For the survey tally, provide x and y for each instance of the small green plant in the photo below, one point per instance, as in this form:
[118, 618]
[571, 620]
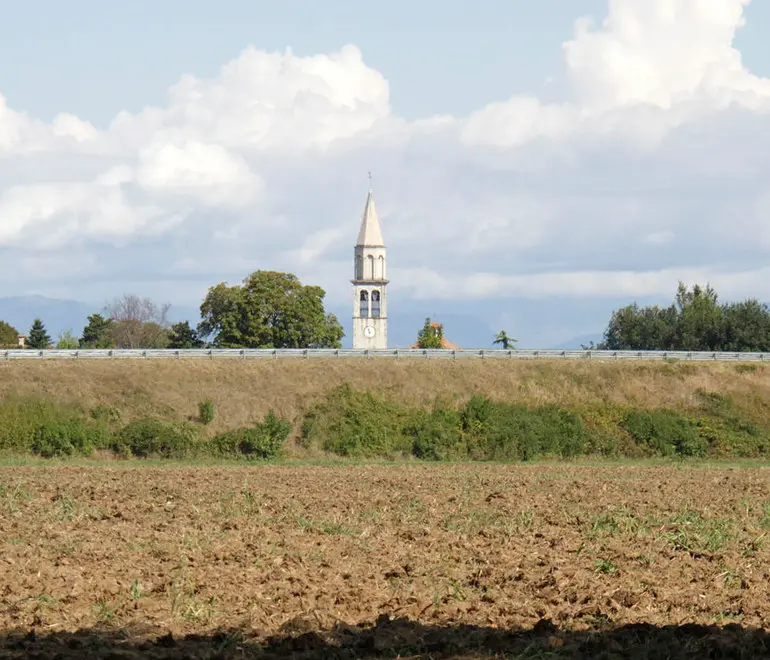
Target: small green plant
[136, 589]
[605, 566]
[264, 440]
[206, 411]
[148, 437]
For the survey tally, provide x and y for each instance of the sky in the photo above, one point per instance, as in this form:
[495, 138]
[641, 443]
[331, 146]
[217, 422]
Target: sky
[576, 154]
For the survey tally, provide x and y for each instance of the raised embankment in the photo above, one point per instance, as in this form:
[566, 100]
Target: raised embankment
[631, 408]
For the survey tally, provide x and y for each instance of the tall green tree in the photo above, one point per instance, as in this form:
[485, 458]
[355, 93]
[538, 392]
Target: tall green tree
[699, 321]
[504, 340]
[745, 326]
[38, 337]
[184, 336]
[641, 329]
[430, 335]
[98, 333]
[9, 336]
[269, 310]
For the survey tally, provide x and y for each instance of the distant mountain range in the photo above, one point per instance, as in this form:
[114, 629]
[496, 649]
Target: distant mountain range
[538, 324]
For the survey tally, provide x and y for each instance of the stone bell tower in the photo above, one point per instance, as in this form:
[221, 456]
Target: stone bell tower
[370, 302]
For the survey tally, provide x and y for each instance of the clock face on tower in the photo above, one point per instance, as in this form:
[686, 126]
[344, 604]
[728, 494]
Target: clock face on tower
[369, 331]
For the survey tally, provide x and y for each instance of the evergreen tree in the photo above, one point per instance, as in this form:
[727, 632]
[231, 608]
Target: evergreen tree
[184, 336]
[38, 337]
[430, 335]
[98, 333]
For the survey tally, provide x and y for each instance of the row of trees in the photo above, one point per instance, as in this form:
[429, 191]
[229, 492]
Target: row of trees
[268, 310]
[275, 310]
[695, 321]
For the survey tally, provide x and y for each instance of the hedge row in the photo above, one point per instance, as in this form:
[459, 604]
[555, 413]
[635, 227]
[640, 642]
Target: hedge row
[360, 425]
[357, 424]
[40, 427]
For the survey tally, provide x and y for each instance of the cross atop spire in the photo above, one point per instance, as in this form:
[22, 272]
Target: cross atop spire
[370, 233]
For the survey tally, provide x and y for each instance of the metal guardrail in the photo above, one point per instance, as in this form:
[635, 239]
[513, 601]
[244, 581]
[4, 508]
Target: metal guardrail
[263, 353]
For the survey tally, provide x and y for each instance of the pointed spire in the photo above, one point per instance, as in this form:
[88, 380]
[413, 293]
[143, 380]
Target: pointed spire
[370, 233]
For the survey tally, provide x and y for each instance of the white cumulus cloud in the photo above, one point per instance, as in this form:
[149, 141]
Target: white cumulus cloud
[654, 168]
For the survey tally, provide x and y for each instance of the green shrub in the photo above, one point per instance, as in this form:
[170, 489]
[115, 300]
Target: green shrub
[105, 413]
[504, 431]
[47, 429]
[206, 411]
[148, 437]
[263, 440]
[67, 437]
[436, 436]
[358, 424]
[665, 433]
[351, 423]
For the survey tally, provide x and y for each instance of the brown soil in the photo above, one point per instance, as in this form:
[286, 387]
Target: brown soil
[446, 561]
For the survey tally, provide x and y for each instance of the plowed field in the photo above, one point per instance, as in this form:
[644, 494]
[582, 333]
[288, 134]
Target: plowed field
[446, 561]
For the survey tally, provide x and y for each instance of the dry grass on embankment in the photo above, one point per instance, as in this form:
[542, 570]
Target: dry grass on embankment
[243, 390]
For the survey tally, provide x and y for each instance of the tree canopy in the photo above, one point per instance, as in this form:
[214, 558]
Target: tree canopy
[269, 310]
[9, 336]
[695, 321]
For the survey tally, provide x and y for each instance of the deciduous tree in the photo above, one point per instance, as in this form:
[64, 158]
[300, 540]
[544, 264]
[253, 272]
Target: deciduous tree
[67, 340]
[694, 322]
[138, 322]
[269, 310]
[9, 336]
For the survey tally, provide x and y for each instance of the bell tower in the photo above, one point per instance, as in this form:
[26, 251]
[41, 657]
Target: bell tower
[370, 301]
